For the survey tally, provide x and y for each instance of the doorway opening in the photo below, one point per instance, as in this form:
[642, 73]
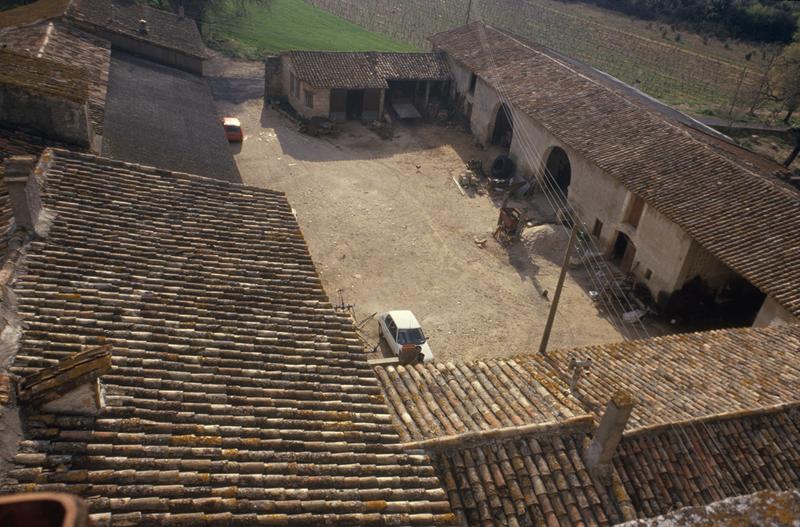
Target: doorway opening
[503, 127]
[624, 252]
[355, 104]
[559, 170]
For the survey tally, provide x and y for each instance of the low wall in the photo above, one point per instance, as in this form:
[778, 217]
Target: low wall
[142, 48]
[58, 119]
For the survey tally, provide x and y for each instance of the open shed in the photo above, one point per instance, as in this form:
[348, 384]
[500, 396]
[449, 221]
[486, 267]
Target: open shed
[359, 85]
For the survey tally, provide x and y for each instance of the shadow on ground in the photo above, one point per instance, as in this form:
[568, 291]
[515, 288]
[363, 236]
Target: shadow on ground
[354, 140]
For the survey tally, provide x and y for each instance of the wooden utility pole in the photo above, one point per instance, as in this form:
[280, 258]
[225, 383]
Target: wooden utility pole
[554, 306]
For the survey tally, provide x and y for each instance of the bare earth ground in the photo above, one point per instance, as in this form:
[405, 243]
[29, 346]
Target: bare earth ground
[386, 224]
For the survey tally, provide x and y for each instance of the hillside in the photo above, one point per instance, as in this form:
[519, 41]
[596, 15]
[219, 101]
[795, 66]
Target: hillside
[700, 75]
[252, 30]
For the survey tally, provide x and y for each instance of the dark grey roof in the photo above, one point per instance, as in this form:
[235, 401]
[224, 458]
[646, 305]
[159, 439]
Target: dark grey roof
[165, 117]
[165, 29]
[369, 69]
[237, 394]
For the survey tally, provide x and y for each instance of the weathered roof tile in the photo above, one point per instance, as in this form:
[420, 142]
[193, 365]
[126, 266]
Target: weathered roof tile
[367, 69]
[732, 207]
[222, 402]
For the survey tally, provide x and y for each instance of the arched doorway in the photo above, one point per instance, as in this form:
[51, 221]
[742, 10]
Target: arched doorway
[558, 169]
[503, 127]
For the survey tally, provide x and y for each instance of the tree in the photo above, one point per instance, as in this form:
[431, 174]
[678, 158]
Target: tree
[784, 79]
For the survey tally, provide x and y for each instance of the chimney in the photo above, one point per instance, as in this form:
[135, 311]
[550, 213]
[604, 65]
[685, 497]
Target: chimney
[608, 435]
[181, 12]
[23, 191]
[143, 26]
[577, 367]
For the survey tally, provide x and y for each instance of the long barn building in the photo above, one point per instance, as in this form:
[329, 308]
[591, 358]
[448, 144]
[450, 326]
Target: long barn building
[671, 201]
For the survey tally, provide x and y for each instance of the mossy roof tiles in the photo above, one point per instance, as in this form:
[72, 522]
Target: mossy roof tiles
[366, 69]
[43, 77]
[236, 394]
[61, 43]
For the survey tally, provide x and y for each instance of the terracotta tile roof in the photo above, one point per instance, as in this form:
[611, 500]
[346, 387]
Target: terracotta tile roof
[43, 77]
[530, 479]
[328, 69]
[675, 378]
[59, 42]
[33, 12]
[236, 395]
[767, 168]
[776, 509]
[70, 372]
[726, 396]
[439, 399]
[14, 142]
[748, 221]
[688, 376]
[165, 29]
[703, 461]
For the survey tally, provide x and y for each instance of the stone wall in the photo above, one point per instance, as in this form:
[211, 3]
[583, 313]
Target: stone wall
[59, 119]
[147, 50]
[772, 313]
[273, 77]
[322, 96]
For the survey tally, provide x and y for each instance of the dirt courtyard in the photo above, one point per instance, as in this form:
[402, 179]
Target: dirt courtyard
[387, 225]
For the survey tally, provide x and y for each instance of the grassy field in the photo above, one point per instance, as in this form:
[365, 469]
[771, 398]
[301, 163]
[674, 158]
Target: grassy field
[702, 76]
[255, 31]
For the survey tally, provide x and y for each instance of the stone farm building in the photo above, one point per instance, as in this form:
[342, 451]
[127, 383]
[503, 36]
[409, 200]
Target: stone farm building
[358, 85]
[154, 34]
[670, 202]
[123, 80]
[178, 363]
[170, 355]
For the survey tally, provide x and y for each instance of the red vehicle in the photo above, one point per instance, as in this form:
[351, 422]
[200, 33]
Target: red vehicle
[233, 129]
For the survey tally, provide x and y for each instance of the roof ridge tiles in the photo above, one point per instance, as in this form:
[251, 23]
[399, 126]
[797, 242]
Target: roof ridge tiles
[471, 439]
[150, 169]
[644, 431]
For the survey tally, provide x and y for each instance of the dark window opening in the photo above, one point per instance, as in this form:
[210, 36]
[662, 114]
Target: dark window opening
[635, 210]
[309, 99]
[598, 228]
[648, 274]
[391, 326]
[473, 81]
